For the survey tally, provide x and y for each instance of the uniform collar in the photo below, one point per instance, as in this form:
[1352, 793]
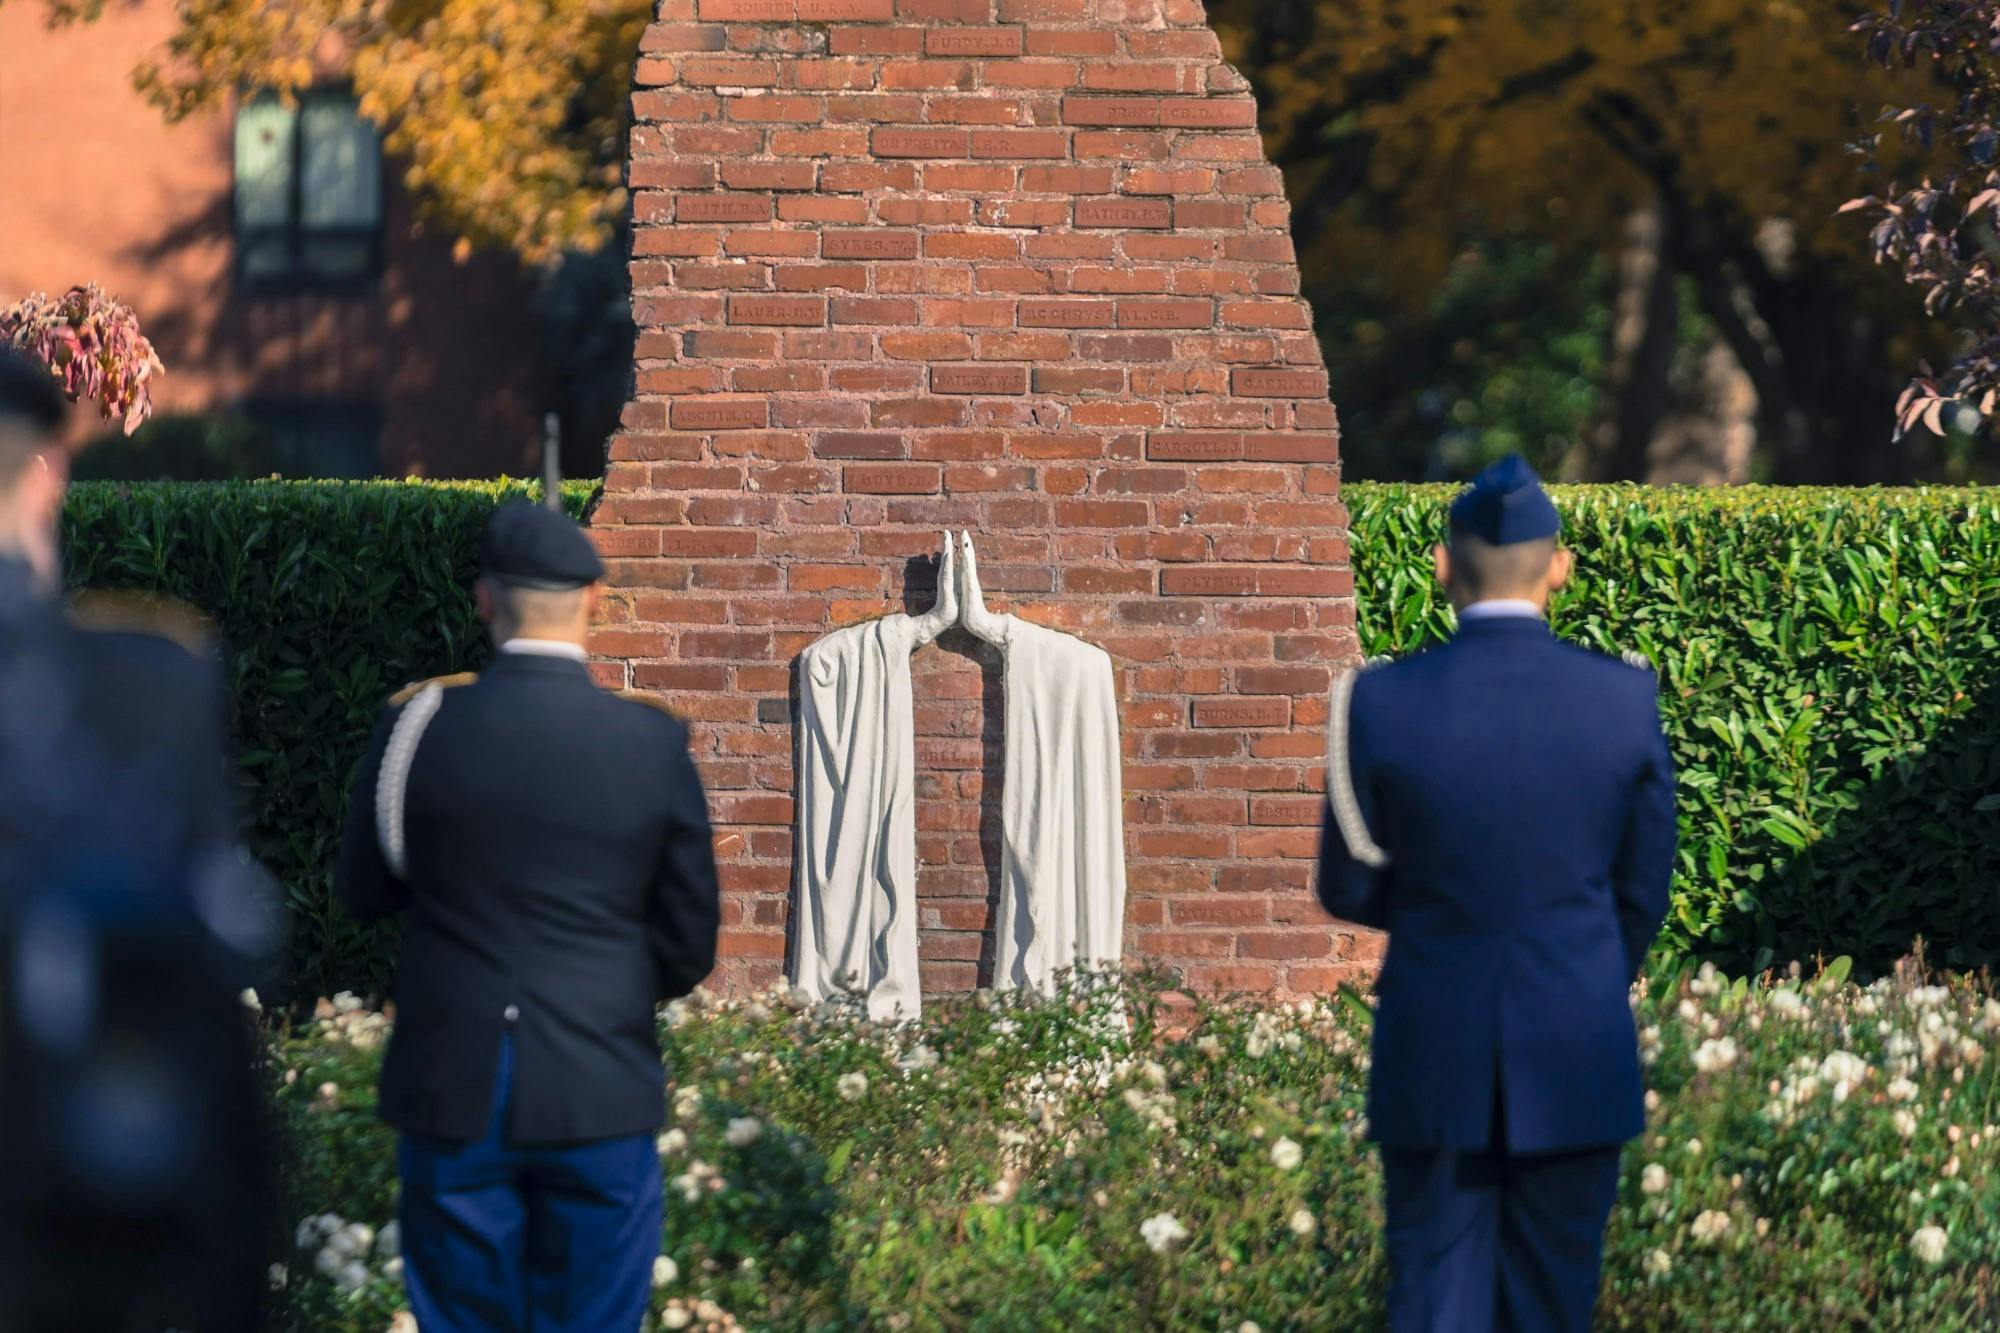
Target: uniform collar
[544, 648]
[1501, 608]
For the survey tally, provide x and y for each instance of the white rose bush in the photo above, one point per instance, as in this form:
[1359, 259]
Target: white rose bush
[1114, 1159]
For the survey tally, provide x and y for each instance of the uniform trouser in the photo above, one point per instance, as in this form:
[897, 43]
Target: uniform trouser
[501, 1239]
[1488, 1240]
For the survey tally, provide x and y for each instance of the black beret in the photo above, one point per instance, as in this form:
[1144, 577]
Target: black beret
[28, 393]
[533, 547]
[1506, 504]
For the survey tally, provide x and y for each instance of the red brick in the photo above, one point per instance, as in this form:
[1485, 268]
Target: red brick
[1020, 267]
[973, 42]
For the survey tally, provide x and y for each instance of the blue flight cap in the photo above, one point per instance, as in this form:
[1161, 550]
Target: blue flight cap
[532, 547]
[1506, 504]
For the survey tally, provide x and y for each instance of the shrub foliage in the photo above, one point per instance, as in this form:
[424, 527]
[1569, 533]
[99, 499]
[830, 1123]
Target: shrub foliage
[1818, 1154]
[1829, 688]
[327, 598]
[1826, 657]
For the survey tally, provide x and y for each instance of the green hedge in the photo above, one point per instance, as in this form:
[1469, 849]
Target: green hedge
[1830, 690]
[1827, 659]
[328, 597]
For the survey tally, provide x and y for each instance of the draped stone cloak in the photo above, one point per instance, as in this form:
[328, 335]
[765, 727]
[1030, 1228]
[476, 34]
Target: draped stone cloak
[855, 912]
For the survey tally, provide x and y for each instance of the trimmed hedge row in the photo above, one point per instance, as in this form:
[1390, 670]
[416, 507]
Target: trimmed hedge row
[328, 597]
[1827, 660]
[1830, 690]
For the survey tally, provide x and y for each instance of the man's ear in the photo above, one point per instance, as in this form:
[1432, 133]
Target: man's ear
[49, 475]
[482, 598]
[593, 598]
[1441, 563]
[1560, 567]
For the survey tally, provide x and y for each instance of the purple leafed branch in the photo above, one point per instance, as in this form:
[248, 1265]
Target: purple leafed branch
[92, 346]
[1943, 230]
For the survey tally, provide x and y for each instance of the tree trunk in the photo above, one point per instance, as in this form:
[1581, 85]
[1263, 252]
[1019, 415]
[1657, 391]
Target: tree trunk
[1638, 387]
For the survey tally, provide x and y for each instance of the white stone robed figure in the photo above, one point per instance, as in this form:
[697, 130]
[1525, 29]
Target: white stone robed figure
[1062, 876]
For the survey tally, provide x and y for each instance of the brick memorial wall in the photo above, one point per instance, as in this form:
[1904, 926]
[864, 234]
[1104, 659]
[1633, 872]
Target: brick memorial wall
[1020, 267]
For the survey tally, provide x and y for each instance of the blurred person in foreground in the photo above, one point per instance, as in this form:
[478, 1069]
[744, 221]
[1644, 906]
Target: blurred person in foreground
[549, 845]
[133, 1171]
[1503, 806]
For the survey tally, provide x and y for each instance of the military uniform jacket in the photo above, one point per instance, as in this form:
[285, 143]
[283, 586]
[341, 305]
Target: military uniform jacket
[560, 883]
[1518, 797]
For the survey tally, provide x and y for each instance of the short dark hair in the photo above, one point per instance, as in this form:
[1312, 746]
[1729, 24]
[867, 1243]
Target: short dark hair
[28, 394]
[1482, 569]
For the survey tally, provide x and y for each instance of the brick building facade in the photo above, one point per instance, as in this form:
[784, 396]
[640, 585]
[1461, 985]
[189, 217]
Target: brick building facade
[1021, 267]
[365, 347]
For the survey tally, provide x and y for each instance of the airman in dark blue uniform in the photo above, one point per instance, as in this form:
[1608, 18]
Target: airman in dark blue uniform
[548, 844]
[1501, 805]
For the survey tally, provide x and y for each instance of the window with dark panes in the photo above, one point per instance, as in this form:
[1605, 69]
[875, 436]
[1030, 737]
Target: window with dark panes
[308, 192]
[320, 437]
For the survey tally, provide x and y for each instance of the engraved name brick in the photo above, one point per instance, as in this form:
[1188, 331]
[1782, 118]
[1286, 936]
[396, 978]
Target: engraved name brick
[727, 414]
[723, 208]
[973, 42]
[1165, 314]
[1262, 712]
[1138, 214]
[1179, 448]
[1209, 113]
[749, 11]
[860, 244]
[920, 143]
[787, 310]
[1111, 110]
[1252, 382]
[979, 379]
[1067, 314]
[854, 11]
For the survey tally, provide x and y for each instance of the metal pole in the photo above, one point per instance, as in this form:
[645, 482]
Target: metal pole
[552, 461]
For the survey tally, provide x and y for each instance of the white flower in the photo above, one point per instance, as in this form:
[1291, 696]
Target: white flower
[403, 1322]
[1209, 1047]
[1302, 1222]
[251, 1002]
[919, 1059]
[1653, 1179]
[672, 1142]
[1905, 1123]
[676, 1316]
[346, 1002]
[1902, 1090]
[743, 1131]
[1249, 1326]
[852, 1087]
[393, 1270]
[1709, 1227]
[1786, 1002]
[1843, 1067]
[1652, 1101]
[389, 1241]
[1286, 1155]
[665, 1270]
[1659, 1263]
[1714, 1054]
[1929, 1243]
[353, 1277]
[1694, 1147]
[1162, 1231]
[277, 1275]
[686, 1102]
[1926, 997]
[359, 1237]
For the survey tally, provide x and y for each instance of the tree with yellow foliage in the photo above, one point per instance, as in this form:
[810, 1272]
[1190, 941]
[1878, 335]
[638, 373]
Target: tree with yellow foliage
[508, 115]
[1701, 139]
